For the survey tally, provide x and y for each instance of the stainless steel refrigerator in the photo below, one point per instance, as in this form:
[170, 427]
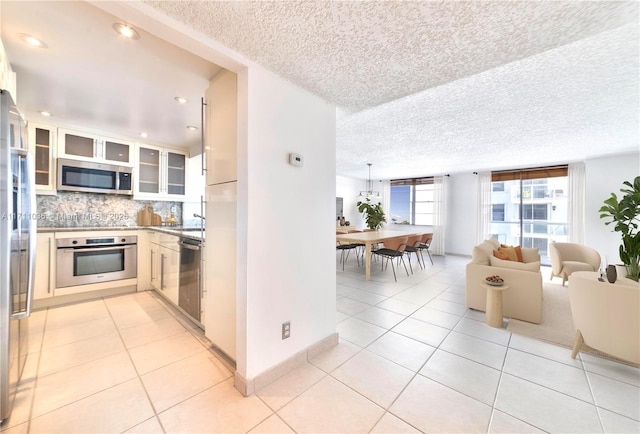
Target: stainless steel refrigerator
[17, 248]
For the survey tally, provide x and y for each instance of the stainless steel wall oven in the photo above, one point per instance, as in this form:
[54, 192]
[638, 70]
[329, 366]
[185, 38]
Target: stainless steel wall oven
[81, 261]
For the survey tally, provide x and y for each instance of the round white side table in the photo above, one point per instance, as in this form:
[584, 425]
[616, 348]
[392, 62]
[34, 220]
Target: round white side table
[494, 304]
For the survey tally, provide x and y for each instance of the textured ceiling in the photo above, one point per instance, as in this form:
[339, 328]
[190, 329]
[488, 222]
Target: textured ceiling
[359, 54]
[422, 88]
[427, 88]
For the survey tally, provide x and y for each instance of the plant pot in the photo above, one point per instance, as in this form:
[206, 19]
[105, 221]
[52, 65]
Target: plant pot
[621, 269]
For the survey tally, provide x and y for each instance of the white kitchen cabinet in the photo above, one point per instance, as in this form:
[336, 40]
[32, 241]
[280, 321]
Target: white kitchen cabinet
[165, 265]
[221, 135]
[153, 238]
[92, 147]
[160, 173]
[42, 145]
[44, 276]
[220, 282]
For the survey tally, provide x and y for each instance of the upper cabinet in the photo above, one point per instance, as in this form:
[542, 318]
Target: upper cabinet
[92, 147]
[160, 173]
[42, 145]
[222, 128]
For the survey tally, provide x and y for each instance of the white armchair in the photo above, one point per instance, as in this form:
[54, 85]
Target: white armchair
[567, 258]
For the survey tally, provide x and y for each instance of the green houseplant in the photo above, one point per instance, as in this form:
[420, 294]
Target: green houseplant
[373, 213]
[625, 214]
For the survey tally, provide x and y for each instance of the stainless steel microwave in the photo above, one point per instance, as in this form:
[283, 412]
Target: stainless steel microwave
[91, 177]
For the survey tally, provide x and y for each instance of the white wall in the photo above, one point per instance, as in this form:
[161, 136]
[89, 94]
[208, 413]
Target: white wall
[605, 176]
[348, 189]
[290, 258]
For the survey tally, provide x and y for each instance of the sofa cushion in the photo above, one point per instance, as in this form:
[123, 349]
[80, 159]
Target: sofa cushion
[569, 267]
[502, 255]
[494, 242]
[478, 256]
[487, 247]
[531, 266]
[516, 256]
[530, 255]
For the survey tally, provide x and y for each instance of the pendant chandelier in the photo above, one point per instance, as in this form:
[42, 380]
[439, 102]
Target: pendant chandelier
[369, 193]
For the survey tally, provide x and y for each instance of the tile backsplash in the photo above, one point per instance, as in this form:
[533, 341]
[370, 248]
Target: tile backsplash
[70, 210]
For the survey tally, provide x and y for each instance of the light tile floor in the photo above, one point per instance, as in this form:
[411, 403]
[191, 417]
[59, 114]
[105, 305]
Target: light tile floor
[411, 358]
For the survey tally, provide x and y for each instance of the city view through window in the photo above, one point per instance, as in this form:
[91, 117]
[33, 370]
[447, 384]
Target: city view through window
[530, 213]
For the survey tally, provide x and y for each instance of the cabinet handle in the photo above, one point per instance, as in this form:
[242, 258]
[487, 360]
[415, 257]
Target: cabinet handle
[152, 252]
[203, 106]
[49, 268]
[162, 271]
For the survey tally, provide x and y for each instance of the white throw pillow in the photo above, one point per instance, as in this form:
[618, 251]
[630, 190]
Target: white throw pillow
[479, 256]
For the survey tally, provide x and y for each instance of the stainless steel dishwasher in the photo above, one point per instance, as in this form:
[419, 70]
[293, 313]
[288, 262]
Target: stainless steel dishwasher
[190, 292]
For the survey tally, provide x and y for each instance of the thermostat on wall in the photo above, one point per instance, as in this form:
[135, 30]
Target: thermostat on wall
[295, 160]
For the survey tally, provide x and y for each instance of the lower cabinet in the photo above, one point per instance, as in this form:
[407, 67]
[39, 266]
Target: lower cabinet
[46, 291]
[44, 277]
[165, 265]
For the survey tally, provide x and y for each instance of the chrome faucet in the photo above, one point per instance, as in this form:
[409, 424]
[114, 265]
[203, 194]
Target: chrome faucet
[198, 215]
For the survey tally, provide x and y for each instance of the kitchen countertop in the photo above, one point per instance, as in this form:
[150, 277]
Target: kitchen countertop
[185, 232]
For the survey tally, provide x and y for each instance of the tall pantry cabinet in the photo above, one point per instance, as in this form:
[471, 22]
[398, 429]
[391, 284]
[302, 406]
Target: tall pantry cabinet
[221, 211]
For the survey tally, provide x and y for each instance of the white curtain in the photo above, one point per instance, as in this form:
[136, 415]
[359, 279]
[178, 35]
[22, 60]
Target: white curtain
[576, 225]
[439, 215]
[483, 223]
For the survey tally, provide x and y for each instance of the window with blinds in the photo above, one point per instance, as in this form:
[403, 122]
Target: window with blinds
[530, 207]
[412, 201]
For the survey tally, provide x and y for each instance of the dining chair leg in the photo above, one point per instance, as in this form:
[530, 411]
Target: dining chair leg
[409, 262]
[405, 265]
[429, 253]
[394, 271]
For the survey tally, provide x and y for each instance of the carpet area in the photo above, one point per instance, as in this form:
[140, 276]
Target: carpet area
[557, 324]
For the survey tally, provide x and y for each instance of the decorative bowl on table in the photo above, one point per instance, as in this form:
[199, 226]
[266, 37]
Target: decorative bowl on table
[494, 281]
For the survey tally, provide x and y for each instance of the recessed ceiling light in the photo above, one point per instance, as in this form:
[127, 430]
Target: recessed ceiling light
[180, 100]
[191, 128]
[32, 40]
[126, 31]
[45, 113]
[143, 135]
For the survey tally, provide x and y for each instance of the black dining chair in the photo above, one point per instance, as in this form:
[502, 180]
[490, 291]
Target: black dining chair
[346, 247]
[393, 249]
[425, 243]
[413, 246]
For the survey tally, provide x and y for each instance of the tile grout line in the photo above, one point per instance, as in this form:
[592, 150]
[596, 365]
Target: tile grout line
[37, 372]
[135, 368]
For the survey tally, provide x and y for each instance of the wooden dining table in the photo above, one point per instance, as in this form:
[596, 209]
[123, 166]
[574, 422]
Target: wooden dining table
[369, 239]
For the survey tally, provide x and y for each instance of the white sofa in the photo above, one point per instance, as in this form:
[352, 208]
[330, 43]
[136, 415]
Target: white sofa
[523, 299]
[606, 315]
[567, 258]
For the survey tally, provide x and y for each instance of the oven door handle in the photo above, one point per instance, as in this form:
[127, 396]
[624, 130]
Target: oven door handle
[97, 249]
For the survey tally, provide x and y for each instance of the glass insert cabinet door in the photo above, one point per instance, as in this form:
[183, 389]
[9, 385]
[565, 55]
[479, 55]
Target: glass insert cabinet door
[116, 151]
[176, 164]
[161, 171]
[42, 148]
[149, 170]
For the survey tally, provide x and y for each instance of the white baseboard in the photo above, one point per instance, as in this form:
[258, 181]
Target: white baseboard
[249, 387]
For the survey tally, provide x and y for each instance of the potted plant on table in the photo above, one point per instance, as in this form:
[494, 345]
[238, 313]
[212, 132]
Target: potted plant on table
[625, 214]
[373, 213]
